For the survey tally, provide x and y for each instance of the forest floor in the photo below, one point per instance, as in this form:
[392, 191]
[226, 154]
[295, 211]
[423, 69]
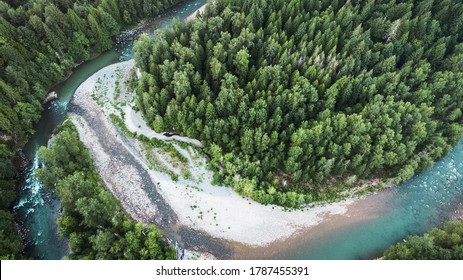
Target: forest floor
[156, 187]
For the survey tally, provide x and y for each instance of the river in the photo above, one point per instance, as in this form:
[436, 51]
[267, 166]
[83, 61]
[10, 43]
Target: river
[427, 200]
[37, 208]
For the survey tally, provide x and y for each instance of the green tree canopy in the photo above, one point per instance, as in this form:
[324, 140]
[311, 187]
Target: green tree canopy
[92, 219]
[300, 96]
[437, 244]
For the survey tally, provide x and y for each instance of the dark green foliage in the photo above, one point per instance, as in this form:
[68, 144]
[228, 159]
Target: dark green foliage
[92, 219]
[437, 244]
[294, 98]
[10, 243]
[7, 194]
[40, 42]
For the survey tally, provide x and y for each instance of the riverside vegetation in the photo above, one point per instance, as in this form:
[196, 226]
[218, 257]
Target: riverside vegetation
[437, 244]
[92, 219]
[295, 101]
[40, 42]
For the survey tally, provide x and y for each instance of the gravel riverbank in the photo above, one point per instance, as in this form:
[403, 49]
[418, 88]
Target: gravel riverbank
[151, 196]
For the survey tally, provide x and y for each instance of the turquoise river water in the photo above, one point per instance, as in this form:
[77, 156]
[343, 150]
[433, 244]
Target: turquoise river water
[414, 207]
[37, 207]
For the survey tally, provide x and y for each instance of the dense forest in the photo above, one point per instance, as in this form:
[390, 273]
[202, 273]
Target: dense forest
[92, 218]
[297, 100]
[41, 41]
[437, 244]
